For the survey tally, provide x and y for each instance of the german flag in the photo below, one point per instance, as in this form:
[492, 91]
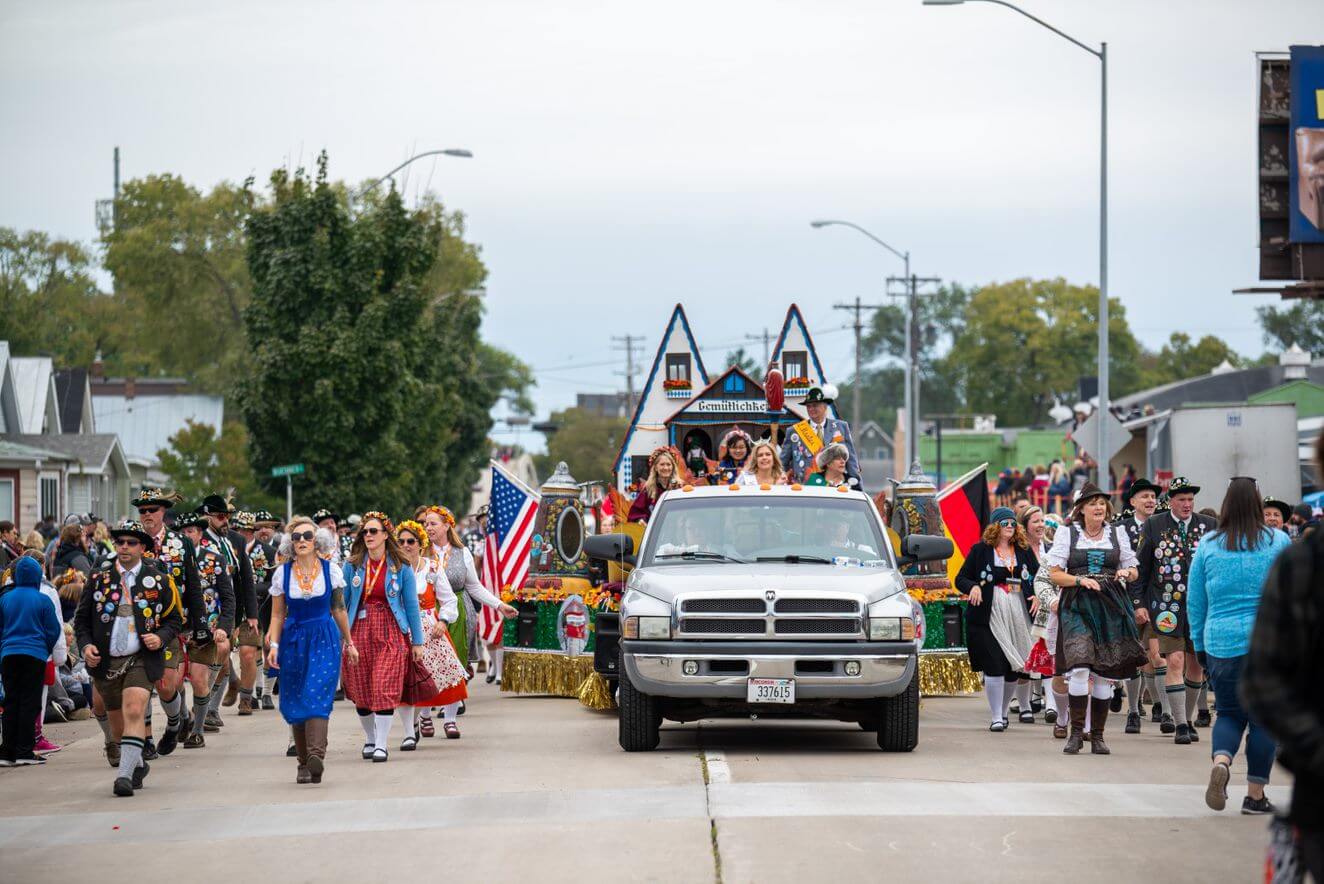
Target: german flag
[965, 511]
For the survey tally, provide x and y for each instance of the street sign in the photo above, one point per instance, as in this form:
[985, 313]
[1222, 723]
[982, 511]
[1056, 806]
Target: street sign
[1087, 434]
[293, 469]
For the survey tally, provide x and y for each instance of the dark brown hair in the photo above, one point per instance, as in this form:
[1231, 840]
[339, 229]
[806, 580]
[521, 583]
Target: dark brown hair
[1242, 518]
[359, 550]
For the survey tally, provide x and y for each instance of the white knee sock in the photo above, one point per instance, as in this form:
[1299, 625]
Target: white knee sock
[1023, 695]
[1008, 691]
[1063, 707]
[993, 690]
[406, 714]
[449, 711]
[498, 657]
[382, 724]
[365, 721]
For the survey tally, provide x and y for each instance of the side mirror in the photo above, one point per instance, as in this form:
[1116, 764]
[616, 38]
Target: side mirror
[612, 547]
[924, 548]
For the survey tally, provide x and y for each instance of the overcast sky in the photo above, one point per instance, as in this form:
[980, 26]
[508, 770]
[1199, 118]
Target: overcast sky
[629, 156]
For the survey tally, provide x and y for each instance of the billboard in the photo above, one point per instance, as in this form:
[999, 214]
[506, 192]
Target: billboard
[1305, 146]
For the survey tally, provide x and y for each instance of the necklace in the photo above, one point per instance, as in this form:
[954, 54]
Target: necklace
[1093, 536]
[306, 580]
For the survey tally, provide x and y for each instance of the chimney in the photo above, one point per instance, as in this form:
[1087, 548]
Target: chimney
[98, 368]
[129, 385]
[1295, 363]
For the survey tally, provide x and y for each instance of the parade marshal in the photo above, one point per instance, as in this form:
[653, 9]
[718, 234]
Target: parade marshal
[807, 438]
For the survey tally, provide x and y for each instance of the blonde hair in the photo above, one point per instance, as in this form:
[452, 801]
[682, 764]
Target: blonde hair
[651, 485]
[751, 464]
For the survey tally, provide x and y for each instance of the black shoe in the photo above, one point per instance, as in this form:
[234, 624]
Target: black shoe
[123, 787]
[1202, 718]
[1156, 714]
[1133, 722]
[1036, 705]
[1252, 807]
[211, 723]
[1183, 737]
[340, 693]
[379, 756]
[460, 711]
[998, 726]
[1192, 733]
[1026, 717]
[291, 751]
[149, 750]
[267, 702]
[169, 740]
[140, 773]
[1014, 707]
[491, 677]
[1165, 724]
[1050, 715]
[1116, 705]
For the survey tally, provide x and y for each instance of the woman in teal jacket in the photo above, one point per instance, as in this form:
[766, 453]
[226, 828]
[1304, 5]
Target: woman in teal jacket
[384, 623]
[1227, 576]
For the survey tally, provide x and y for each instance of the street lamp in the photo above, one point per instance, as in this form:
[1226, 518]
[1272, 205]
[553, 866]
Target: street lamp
[912, 394]
[446, 152]
[1102, 55]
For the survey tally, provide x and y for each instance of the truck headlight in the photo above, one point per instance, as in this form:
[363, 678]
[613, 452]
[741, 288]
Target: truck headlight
[891, 629]
[647, 628]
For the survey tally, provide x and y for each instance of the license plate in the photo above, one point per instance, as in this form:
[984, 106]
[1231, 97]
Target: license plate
[771, 690]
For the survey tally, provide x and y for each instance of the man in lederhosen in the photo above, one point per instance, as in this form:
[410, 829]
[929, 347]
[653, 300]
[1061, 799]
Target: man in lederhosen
[218, 606]
[1167, 543]
[262, 557]
[128, 615]
[1139, 502]
[806, 439]
[229, 545]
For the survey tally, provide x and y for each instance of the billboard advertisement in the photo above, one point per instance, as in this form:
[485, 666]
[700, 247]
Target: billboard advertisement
[1305, 145]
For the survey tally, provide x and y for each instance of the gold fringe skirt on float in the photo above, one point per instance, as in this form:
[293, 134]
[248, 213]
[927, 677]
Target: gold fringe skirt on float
[947, 673]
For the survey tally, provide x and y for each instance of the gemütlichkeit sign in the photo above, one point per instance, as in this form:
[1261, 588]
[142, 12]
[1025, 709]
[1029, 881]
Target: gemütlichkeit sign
[729, 406]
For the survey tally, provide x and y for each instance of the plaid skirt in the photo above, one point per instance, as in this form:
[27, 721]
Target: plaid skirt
[378, 679]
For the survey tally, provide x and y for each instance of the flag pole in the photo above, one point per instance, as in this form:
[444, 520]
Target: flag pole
[957, 483]
[510, 477]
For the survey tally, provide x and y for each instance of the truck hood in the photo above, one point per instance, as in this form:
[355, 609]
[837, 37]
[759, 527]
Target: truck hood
[665, 582]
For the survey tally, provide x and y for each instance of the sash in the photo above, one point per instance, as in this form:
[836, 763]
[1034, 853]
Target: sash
[808, 438]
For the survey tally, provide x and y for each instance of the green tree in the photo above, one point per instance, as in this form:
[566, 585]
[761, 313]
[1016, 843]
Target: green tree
[1179, 359]
[198, 463]
[745, 362]
[1301, 324]
[586, 441]
[366, 360]
[49, 299]
[178, 259]
[1027, 341]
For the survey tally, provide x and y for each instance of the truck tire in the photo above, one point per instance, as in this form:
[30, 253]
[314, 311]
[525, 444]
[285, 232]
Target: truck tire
[640, 718]
[898, 730]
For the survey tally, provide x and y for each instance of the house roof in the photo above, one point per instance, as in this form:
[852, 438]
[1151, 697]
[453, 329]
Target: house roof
[16, 451]
[33, 391]
[93, 451]
[9, 420]
[1228, 386]
[145, 423]
[795, 319]
[71, 391]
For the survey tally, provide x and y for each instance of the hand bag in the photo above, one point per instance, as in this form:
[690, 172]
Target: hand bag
[419, 687]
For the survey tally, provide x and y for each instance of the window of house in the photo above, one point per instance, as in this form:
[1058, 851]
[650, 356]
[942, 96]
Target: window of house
[49, 489]
[7, 501]
[795, 364]
[678, 366]
[734, 383]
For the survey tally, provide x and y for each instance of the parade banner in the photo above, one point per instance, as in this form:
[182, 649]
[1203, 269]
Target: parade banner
[1305, 146]
[965, 510]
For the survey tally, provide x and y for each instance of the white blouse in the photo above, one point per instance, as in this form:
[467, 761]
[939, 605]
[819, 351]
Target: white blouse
[319, 586]
[441, 585]
[1057, 556]
[750, 479]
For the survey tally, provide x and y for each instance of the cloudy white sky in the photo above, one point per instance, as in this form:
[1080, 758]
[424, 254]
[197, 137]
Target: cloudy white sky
[629, 156]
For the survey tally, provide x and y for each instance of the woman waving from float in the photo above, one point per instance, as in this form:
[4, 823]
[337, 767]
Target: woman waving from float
[732, 455]
[663, 475]
[764, 467]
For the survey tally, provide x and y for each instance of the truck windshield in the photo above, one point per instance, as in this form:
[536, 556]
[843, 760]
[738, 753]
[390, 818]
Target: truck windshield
[805, 530]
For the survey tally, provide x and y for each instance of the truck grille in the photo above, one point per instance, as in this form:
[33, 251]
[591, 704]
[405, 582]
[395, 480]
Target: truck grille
[755, 617]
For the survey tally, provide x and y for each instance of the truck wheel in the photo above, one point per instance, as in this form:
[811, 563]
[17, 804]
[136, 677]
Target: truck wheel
[899, 729]
[640, 717]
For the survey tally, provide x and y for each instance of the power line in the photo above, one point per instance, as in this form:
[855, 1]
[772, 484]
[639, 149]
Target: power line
[628, 343]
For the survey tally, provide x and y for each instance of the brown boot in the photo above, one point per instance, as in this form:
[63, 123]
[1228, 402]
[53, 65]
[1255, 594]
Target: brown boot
[245, 705]
[316, 736]
[301, 753]
[1077, 738]
[231, 691]
[1098, 718]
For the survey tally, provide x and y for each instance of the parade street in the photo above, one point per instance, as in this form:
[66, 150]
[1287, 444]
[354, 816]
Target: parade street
[537, 789]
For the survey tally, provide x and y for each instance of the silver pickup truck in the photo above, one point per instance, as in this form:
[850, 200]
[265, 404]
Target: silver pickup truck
[762, 601]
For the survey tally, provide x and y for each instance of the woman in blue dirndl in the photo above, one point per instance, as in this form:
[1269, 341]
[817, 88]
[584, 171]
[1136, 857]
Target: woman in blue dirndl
[308, 628]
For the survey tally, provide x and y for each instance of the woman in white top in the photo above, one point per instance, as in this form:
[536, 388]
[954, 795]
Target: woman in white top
[457, 581]
[764, 466]
[308, 613]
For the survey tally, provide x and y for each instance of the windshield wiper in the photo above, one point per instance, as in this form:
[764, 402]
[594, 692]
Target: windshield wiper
[701, 554]
[794, 559]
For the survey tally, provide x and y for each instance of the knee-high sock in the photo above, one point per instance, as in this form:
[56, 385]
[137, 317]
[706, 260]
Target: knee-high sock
[1161, 688]
[261, 685]
[131, 755]
[382, 725]
[1202, 702]
[147, 714]
[1078, 682]
[994, 687]
[1063, 707]
[1023, 695]
[450, 711]
[1008, 692]
[217, 692]
[1177, 702]
[365, 722]
[1133, 695]
[200, 704]
[498, 658]
[406, 714]
[1148, 679]
[1192, 694]
[173, 707]
[103, 721]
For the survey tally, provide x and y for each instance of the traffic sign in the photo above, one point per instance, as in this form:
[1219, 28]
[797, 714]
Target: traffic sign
[1087, 436]
[293, 469]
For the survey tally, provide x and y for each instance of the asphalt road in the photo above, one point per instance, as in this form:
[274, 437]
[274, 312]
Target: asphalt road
[537, 790]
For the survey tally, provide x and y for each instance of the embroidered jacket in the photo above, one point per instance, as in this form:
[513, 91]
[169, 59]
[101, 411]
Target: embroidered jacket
[798, 460]
[157, 609]
[1165, 567]
[175, 553]
[217, 591]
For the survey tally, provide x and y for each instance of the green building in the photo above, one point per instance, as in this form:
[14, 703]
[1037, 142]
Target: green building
[963, 450]
[1308, 397]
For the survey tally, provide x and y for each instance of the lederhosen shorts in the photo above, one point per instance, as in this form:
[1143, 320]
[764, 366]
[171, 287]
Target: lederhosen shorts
[246, 636]
[121, 673]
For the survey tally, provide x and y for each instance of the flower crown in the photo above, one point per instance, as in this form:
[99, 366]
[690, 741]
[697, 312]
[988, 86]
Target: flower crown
[415, 529]
[662, 449]
[381, 517]
[446, 516]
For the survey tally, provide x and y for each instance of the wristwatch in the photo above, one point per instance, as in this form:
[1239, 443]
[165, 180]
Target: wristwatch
[1078, 580]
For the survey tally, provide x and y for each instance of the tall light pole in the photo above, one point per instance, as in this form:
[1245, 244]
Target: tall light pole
[1102, 55]
[912, 397]
[445, 152]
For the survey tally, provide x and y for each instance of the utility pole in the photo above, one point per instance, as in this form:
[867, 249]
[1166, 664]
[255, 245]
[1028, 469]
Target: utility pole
[628, 343]
[766, 338]
[858, 309]
[910, 292]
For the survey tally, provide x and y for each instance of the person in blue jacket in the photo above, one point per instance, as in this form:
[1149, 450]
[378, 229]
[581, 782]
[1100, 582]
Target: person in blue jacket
[29, 629]
[1228, 572]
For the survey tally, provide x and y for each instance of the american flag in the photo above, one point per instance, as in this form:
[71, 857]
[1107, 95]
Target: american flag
[510, 529]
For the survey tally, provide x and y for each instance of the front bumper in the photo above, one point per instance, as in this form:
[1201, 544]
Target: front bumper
[655, 667]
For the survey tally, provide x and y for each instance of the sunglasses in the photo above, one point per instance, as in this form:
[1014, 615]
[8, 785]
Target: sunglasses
[127, 541]
[297, 536]
[372, 532]
[1007, 523]
[408, 541]
[150, 510]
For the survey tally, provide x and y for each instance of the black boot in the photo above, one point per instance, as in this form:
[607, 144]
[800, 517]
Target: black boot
[1098, 718]
[1076, 739]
